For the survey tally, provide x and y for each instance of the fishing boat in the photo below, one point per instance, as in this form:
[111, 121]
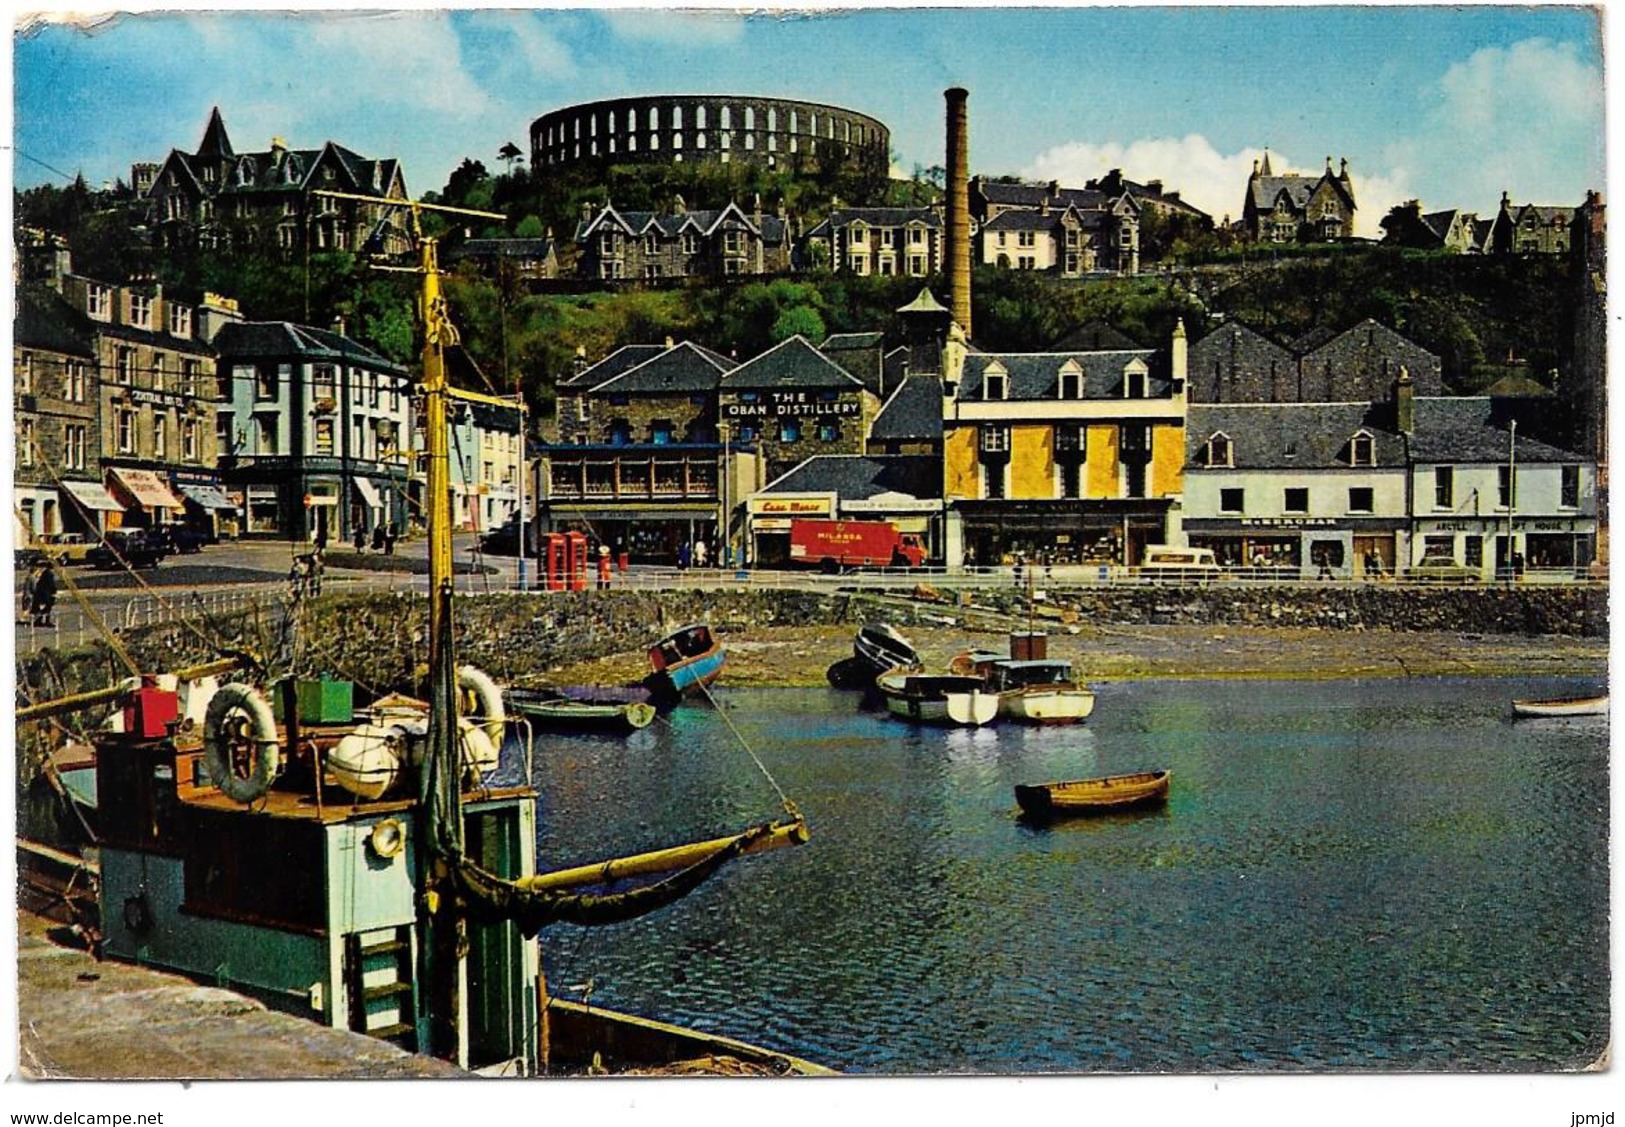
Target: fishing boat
[684, 661]
[366, 865]
[937, 698]
[1562, 706]
[880, 648]
[1107, 795]
[1040, 692]
[555, 711]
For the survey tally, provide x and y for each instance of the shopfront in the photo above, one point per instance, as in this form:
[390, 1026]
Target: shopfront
[145, 496]
[996, 533]
[1558, 544]
[207, 508]
[767, 523]
[1346, 548]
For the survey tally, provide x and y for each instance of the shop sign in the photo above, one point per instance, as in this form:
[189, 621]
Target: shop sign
[776, 404]
[1552, 526]
[792, 506]
[1288, 522]
[156, 398]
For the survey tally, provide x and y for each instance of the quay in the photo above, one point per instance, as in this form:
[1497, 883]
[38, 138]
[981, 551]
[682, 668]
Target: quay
[79, 1019]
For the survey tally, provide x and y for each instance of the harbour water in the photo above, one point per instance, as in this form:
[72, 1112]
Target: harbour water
[1377, 875]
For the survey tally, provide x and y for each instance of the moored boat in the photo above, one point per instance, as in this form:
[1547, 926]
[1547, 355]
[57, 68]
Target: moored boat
[1040, 692]
[1562, 706]
[938, 698]
[555, 711]
[881, 649]
[686, 660]
[1106, 795]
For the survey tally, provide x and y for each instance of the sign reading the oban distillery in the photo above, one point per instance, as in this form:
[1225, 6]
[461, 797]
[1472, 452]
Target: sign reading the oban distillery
[778, 403]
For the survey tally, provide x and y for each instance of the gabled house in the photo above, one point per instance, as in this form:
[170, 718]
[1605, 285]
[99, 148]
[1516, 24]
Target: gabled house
[887, 241]
[793, 402]
[1531, 229]
[614, 245]
[1293, 207]
[1067, 231]
[1362, 363]
[528, 259]
[1237, 364]
[219, 197]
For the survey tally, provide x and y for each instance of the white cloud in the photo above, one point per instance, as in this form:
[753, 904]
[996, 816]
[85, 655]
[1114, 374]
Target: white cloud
[1213, 181]
[676, 29]
[1525, 119]
[404, 59]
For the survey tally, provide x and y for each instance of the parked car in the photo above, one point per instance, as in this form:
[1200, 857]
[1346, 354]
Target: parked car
[1443, 569]
[1167, 563]
[503, 540]
[58, 547]
[127, 547]
[180, 538]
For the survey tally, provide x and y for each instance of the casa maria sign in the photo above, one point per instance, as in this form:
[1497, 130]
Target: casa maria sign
[776, 404]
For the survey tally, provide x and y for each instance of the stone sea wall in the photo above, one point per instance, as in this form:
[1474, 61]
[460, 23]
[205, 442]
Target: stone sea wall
[379, 640]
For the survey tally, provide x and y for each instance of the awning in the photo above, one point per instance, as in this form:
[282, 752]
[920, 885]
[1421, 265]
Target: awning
[93, 495]
[207, 496]
[368, 494]
[148, 489]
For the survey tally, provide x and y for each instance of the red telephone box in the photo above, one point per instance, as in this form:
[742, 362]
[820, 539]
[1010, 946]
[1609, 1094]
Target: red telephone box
[565, 558]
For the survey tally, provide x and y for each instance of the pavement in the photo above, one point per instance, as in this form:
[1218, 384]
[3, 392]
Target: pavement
[86, 1020]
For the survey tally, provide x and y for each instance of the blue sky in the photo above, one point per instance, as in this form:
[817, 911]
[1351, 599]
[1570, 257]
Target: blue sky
[1449, 104]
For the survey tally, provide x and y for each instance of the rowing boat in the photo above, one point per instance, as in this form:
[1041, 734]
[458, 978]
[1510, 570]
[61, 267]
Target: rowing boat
[1094, 796]
[568, 714]
[1562, 706]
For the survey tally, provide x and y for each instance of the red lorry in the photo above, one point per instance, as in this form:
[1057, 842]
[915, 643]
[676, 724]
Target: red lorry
[830, 545]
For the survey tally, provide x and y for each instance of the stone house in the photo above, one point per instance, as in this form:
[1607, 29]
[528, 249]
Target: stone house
[1236, 364]
[1531, 229]
[886, 241]
[218, 197]
[1363, 362]
[528, 259]
[1069, 231]
[1293, 207]
[55, 399]
[718, 244]
[792, 402]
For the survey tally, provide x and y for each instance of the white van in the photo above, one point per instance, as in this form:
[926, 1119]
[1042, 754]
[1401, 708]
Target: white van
[1166, 563]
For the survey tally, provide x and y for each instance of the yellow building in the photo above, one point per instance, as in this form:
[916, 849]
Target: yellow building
[1069, 457]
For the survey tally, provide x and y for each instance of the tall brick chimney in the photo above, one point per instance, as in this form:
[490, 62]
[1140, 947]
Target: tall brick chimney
[958, 241]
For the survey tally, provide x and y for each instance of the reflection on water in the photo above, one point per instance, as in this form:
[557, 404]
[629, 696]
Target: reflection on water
[1371, 875]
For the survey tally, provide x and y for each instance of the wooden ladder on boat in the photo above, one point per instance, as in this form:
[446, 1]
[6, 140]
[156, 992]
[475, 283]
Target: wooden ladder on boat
[378, 976]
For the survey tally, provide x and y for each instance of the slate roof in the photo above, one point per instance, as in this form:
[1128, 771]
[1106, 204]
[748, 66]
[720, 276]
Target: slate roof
[875, 217]
[913, 411]
[45, 321]
[1031, 195]
[1474, 429]
[682, 368]
[622, 359]
[1286, 436]
[1036, 375]
[1315, 338]
[897, 364]
[791, 363]
[858, 477]
[837, 342]
[773, 228]
[1264, 189]
[250, 339]
[1024, 220]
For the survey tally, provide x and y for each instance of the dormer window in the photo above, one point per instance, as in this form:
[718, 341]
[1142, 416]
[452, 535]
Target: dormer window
[1070, 385]
[995, 383]
[1134, 380]
[1362, 450]
[1219, 451]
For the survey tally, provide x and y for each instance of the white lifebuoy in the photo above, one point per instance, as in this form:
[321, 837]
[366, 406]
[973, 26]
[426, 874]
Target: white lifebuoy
[491, 714]
[261, 732]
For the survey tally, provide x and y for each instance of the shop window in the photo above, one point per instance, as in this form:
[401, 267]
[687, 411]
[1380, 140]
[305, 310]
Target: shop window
[1360, 499]
[1231, 500]
[1297, 500]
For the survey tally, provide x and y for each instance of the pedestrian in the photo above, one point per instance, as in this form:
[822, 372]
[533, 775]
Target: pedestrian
[360, 539]
[622, 557]
[699, 553]
[603, 567]
[45, 597]
[378, 538]
[27, 609]
[684, 554]
[389, 539]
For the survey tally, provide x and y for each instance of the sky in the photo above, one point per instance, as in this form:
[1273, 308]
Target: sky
[1449, 105]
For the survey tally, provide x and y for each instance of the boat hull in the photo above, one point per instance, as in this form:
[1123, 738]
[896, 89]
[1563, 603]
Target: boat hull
[880, 649]
[938, 700]
[1047, 705]
[1109, 795]
[1566, 706]
[562, 714]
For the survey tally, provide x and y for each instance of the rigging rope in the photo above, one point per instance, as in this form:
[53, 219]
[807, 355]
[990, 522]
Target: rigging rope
[790, 807]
